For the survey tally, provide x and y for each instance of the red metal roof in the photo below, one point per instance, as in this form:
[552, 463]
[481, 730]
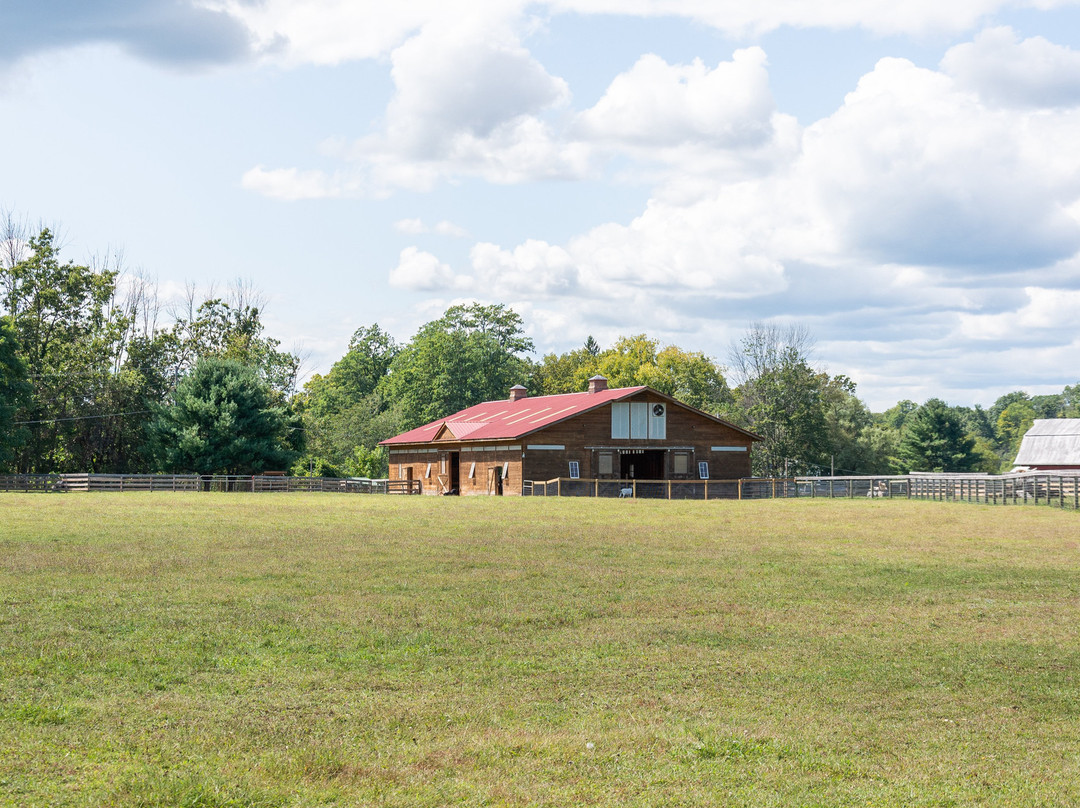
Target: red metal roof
[509, 420]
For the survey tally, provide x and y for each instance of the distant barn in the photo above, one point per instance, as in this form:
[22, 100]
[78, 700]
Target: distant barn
[1052, 444]
[632, 433]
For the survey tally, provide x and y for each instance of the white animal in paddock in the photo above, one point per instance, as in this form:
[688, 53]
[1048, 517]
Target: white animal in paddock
[626, 492]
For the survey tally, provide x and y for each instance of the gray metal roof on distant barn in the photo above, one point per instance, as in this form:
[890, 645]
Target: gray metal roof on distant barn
[1051, 442]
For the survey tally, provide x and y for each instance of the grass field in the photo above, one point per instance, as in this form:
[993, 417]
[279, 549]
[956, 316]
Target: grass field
[276, 650]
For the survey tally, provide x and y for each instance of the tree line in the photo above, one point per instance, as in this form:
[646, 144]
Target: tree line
[96, 376]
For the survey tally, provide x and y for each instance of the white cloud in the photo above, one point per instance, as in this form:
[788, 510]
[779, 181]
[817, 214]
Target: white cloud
[446, 228]
[907, 218]
[1046, 310]
[412, 227]
[469, 100]
[913, 170]
[1004, 70]
[416, 227]
[738, 17]
[465, 80]
[421, 271]
[533, 268]
[334, 31]
[655, 104]
[291, 184]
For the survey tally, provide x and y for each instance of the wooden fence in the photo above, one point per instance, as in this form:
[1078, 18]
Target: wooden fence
[61, 483]
[746, 488]
[1030, 488]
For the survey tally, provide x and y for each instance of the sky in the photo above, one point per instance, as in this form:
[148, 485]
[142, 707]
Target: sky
[903, 179]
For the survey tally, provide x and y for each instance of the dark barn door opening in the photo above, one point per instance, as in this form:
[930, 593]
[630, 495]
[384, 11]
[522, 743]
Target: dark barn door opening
[455, 472]
[646, 465]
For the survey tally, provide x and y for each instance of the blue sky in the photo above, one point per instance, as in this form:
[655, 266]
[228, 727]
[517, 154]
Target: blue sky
[903, 179]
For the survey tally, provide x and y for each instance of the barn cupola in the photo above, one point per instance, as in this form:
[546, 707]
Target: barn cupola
[597, 384]
[518, 392]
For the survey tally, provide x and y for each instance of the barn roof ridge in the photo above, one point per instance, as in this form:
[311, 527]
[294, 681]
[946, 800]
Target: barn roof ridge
[514, 419]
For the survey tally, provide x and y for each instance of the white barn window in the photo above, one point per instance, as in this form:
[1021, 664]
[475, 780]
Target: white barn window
[620, 420]
[703, 470]
[639, 420]
[575, 470]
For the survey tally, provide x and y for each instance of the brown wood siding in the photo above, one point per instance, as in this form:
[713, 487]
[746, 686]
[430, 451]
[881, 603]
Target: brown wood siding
[582, 434]
[490, 457]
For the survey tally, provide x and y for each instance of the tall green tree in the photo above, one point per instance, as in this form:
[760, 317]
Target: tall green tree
[231, 328]
[689, 376]
[70, 332]
[781, 397]
[1070, 401]
[855, 446]
[569, 372]
[342, 411]
[471, 354]
[223, 419]
[935, 440]
[1013, 422]
[14, 390]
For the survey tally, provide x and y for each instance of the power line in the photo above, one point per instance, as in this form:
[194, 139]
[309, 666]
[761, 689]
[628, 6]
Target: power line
[82, 418]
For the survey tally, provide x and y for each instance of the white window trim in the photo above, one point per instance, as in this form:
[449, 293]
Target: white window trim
[472, 471]
[575, 470]
[703, 469]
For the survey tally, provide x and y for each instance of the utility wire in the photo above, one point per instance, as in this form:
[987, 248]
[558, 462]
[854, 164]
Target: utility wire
[81, 418]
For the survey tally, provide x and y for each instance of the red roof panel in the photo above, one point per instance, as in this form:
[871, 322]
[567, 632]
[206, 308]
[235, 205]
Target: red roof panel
[509, 420]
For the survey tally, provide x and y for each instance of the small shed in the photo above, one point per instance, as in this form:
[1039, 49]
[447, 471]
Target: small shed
[631, 433]
[1052, 444]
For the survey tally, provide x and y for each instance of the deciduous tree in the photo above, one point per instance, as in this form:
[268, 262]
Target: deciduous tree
[471, 354]
[14, 390]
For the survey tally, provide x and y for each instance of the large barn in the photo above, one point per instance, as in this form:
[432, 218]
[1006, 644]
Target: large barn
[631, 433]
[1052, 444]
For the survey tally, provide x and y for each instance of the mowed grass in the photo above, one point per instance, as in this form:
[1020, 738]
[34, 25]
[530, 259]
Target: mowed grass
[299, 650]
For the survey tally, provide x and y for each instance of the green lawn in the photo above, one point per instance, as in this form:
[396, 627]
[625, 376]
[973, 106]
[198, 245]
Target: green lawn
[297, 650]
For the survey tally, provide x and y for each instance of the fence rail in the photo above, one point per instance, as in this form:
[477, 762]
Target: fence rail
[1029, 488]
[62, 483]
[746, 488]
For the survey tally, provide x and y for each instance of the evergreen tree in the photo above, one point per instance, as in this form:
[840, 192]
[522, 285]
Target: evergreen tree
[935, 440]
[223, 420]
